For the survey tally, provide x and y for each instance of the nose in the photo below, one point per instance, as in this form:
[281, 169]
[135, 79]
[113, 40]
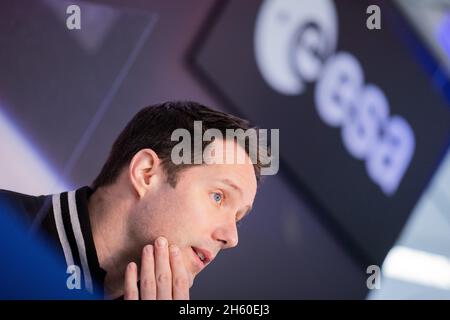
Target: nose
[226, 233]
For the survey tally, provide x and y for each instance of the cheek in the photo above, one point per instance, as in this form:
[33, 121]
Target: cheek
[152, 218]
[191, 220]
[184, 216]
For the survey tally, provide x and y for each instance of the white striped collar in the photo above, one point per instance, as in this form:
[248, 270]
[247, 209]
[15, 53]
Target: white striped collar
[70, 211]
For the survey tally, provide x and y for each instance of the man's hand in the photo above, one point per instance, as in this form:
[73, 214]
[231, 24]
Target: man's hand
[163, 274]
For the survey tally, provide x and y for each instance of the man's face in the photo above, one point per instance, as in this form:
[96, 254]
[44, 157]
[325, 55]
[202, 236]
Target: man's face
[201, 212]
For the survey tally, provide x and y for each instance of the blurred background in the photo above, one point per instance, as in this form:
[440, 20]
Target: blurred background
[323, 220]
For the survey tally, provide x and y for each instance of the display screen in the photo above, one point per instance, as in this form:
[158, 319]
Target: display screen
[362, 128]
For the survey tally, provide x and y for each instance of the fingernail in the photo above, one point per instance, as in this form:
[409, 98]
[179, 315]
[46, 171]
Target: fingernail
[149, 248]
[174, 249]
[161, 242]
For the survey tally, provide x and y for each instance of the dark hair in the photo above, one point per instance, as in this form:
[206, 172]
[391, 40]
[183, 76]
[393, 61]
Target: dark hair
[152, 128]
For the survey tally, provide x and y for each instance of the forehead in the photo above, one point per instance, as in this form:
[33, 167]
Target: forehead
[239, 179]
[228, 168]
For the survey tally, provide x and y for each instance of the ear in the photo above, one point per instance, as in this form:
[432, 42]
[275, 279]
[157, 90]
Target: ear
[143, 167]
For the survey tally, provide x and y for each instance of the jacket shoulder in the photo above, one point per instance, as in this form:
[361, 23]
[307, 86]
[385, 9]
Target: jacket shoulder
[26, 205]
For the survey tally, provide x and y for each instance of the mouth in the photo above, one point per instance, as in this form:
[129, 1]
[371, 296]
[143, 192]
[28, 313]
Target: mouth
[202, 257]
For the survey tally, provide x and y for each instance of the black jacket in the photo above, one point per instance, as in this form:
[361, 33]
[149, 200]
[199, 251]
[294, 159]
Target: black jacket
[64, 218]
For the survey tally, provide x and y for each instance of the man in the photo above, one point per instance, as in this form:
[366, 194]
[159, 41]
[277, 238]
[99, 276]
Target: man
[146, 219]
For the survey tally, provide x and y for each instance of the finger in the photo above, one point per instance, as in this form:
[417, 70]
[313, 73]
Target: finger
[148, 284]
[180, 280]
[130, 286]
[163, 273]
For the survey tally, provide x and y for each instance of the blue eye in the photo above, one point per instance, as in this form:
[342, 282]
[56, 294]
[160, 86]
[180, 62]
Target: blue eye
[217, 197]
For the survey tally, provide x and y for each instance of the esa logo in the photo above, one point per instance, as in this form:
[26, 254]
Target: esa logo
[295, 42]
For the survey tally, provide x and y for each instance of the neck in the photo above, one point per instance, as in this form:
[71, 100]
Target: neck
[108, 209]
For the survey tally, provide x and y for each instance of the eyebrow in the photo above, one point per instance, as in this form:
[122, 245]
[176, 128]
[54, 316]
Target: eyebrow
[238, 189]
[232, 185]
